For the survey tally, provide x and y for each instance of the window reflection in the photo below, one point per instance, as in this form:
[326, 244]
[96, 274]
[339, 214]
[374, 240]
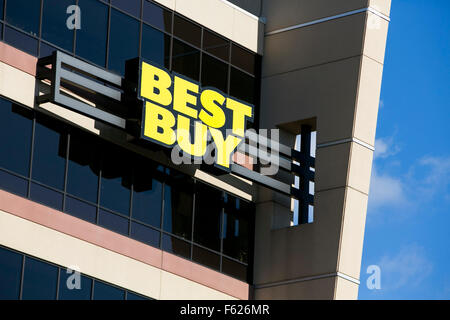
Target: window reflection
[242, 86]
[83, 170]
[145, 234]
[50, 144]
[216, 45]
[91, 38]
[54, 19]
[214, 73]
[234, 269]
[39, 280]
[81, 293]
[208, 211]
[113, 222]
[243, 59]
[24, 14]
[185, 60]
[147, 193]
[155, 46]
[10, 274]
[21, 41]
[178, 202]
[132, 7]
[115, 182]
[103, 291]
[187, 31]
[176, 246]
[46, 196]
[206, 257]
[15, 133]
[236, 229]
[124, 40]
[157, 16]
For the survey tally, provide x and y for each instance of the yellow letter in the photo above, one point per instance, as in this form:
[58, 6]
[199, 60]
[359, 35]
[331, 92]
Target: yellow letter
[240, 111]
[156, 118]
[154, 78]
[225, 148]
[181, 97]
[208, 99]
[198, 148]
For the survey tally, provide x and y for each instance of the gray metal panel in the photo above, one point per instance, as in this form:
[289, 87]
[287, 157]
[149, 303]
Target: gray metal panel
[88, 68]
[91, 85]
[259, 154]
[259, 178]
[265, 142]
[89, 110]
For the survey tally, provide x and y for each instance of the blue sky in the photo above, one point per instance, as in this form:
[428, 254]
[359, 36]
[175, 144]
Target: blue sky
[408, 219]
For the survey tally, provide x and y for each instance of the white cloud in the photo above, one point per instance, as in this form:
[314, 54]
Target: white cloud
[409, 267]
[385, 147]
[385, 190]
[439, 173]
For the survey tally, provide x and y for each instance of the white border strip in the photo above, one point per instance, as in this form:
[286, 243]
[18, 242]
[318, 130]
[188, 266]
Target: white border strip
[322, 276]
[342, 15]
[251, 15]
[333, 143]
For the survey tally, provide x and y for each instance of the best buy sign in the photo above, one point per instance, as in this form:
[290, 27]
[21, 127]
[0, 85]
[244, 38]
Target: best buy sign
[177, 111]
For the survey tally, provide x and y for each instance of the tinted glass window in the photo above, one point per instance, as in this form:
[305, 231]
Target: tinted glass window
[157, 16]
[13, 184]
[21, 41]
[10, 274]
[155, 46]
[124, 40]
[178, 202]
[214, 73]
[15, 135]
[82, 175]
[46, 50]
[103, 291]
[74, 288]
[24, 14]
[40, 279]
[113, 222]
[46, 196]
[91, 38]
[176, 246]
[147, 195]
[236, 229]
[133, 296]
[54, 23]
[216, 45]
[243, 59]
[242, 86]
[132, 7]
[187, 31]
[115, 183]
[145, 234]
[1, 9]
[50, 144]
[80, 209]
[185, 60]
[208, 210]
[206, 257]
[234, 269]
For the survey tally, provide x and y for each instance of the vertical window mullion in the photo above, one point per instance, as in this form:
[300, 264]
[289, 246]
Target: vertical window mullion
[66, 171]
[222, 230]
[108, 36]
[194, 196]
[22, 277]
[30, 174]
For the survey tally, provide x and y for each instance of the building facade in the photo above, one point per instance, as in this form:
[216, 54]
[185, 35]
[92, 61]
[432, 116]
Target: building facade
[80, 196]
